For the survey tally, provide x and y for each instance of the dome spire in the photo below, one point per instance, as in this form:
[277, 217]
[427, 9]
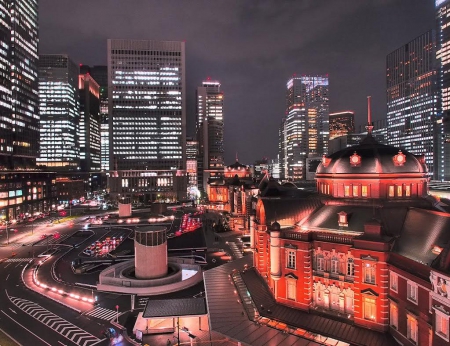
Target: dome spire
[369, 126]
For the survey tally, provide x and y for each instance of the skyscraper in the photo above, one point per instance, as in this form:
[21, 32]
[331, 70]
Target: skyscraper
[19, 120]
[191, 166]
[147, 113]
[60, 113]
[90, 152]
[443, 113]
[209, 127]
[412, 94]
[304, 130]
[100, 75]
[342, 123]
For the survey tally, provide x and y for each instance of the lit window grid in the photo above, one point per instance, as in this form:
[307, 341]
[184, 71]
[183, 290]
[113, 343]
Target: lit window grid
[158, 91]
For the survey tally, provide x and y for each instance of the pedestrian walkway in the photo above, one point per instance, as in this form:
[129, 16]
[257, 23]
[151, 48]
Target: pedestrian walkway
[56, 323]
[102, 313]
[25, 259]
[234, 248]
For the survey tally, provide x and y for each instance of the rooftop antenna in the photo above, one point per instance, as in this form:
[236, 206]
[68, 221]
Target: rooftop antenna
[369, 126]
[237, 157]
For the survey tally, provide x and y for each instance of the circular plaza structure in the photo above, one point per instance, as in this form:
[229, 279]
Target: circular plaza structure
[151, 272]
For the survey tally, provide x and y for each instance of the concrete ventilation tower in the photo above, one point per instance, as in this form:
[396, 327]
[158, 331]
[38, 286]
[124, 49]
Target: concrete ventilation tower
[150, 248]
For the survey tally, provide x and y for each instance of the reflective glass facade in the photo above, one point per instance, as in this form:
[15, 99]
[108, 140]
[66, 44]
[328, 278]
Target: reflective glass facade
[89, 123]
[19, 116]
[100, 75]
[304, 131]
[443, 116]
[341, 123]
[147, 119]
[412, 99]
[210, 125]
[60, 113]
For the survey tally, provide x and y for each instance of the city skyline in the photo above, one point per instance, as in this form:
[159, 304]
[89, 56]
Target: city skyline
[237, 39]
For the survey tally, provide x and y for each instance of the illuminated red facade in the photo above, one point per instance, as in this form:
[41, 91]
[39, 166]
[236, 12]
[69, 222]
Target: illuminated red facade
[371, 246]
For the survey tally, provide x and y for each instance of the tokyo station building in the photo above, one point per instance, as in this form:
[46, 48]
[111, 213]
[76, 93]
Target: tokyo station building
[371, 247]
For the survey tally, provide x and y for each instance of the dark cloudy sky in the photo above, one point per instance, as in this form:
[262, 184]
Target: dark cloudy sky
[252, 47]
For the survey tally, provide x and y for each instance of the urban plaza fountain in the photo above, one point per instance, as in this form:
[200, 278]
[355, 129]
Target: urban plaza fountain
[152, 272]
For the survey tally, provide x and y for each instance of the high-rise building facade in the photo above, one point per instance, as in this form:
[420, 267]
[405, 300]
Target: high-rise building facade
[305, 129]
[209, 127]
[19, 120]
[100, 75]
[412, 100]
[341, 123]
[147, 113]
[59, 113]
[191, 166]
[90, 153]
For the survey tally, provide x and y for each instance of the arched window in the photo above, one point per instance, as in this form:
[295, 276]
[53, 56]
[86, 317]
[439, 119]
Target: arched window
[320, 262]
[335, 265]
[350, 267]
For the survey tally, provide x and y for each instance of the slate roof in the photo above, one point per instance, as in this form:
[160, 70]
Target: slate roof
[391, 218]
[227, 315]
[421, 231]
[175, 307]
[289, 211]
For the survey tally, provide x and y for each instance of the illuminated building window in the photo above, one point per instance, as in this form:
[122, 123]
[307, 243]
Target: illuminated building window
[355, 190]
[369, 272]
[393, 314]
[291, 259]
[411, 328]
[291, 289]
[350, 267]
[411, 291]
[391, 191]
[364, 191]
[320, 262]
[442, 324]
[399, 191]
[394, 282]
[346, 191]
[407, 190]
[370, 308]
[335, 265]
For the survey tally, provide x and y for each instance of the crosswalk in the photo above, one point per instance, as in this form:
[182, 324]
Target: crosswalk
[56, 323]
[26, 259]
[102, 313]
[236, 252]
[50, 240]
[14, 245]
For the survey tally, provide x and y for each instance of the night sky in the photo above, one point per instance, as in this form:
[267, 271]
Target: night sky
[252, 48]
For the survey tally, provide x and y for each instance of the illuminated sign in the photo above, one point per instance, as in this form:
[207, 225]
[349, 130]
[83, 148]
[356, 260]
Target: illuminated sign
[440, 2]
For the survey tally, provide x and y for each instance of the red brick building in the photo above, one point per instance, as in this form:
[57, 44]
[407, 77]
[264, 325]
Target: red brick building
[370, 247]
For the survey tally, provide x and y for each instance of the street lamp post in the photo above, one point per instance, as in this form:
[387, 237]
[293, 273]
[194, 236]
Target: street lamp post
[7, 234]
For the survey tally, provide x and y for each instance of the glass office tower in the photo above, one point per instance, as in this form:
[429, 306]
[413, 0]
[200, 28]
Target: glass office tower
[60, 113]
[147, 113]
[443, 114]
[89, 127]
[412, 93]
[341, 123]
[305, 128]
[209, 104]
[100, 75]
[19, 120]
